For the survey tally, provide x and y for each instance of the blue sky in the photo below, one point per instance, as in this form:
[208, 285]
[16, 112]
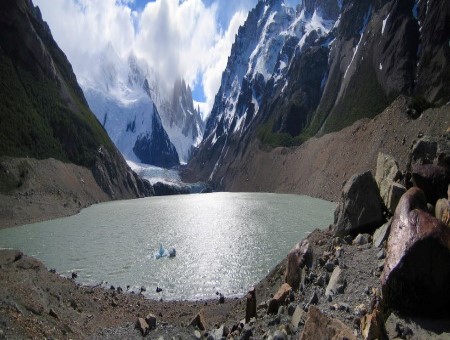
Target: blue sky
[191, 39]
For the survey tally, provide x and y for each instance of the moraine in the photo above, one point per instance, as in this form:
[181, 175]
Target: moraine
[225, 242]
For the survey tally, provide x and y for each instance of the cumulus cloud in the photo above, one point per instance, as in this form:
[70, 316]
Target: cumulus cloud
[190, 39]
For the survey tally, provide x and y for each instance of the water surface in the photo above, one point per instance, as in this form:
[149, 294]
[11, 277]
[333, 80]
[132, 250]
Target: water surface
[225, 242]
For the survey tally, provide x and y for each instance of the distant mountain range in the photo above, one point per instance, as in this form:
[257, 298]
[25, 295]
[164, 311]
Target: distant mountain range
[146, 122]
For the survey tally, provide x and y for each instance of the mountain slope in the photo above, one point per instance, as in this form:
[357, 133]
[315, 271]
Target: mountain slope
[43, 112]
[117, 95]
[336, 62]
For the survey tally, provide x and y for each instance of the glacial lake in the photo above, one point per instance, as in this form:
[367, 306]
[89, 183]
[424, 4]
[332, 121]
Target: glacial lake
[224, 242]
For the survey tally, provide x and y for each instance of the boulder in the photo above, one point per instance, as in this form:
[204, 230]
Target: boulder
[442, 211]
[199, 320]
[360, 208]
[301, 255]
[319, 326]
[337, 283]
[416, 275]
[432, 179]
[372, 326]
[250, 309]
[361, 239]
[279, 298]
[381, 234]
[386, 175]
[142, 325]
[396, 191]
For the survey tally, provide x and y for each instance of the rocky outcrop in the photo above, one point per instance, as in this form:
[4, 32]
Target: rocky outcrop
[360, 208]
[116, 178]
[386, 176]
[46, 112]
[319, 326]
[299, 257]
[325, 79]
[156, 148]
[416, 274]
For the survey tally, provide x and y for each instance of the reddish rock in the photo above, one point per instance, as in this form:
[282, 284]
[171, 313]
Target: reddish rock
[416, 276]
[279, 298]
[319, 326]
[297, 258]
[432, 179]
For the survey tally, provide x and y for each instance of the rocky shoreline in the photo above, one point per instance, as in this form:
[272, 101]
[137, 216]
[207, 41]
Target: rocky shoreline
[381, 271]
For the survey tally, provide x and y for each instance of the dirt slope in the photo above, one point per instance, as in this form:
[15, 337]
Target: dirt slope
[321, 165]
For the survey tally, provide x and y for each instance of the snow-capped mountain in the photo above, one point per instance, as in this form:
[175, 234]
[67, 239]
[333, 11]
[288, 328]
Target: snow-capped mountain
[297, 73]
[116, 94]
[147, 123]
[181, 120]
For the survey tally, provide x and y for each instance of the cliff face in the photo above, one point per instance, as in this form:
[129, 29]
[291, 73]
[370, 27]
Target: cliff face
[330, 64]
[43, 113]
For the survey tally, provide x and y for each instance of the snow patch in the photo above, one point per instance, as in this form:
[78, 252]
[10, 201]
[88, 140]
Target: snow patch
[384, 24]
[380, 67]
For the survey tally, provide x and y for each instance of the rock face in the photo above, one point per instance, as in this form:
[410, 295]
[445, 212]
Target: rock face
[305, 73]
[360, 207]
[44, 112]
[319, 326]
[416, 275]
[299, 257]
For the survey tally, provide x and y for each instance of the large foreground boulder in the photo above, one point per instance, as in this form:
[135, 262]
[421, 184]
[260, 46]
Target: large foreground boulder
[319, 326]
[300, 256]
[416, 276]
[360, 208]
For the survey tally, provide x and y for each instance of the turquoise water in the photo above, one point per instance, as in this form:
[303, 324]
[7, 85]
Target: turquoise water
[225, 242]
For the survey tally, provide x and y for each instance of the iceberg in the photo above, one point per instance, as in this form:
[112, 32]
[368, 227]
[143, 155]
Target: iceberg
[162, 252]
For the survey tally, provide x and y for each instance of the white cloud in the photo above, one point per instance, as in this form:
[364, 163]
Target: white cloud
[176, 38]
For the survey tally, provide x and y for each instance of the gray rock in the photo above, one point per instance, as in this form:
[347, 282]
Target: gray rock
[151, 321]
[299, 257]
[297, 317]
[381, 255]
[291, 308]
[314, 299]
[361, 239]
[197, 335]
[247, 333]
[360, 208]
[278, 335]
[395, 192]
[386, 174]
[337, 283]
[381, 234]
[329, 266]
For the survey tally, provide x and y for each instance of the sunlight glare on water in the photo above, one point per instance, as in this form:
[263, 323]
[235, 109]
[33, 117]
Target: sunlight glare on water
[225, 242]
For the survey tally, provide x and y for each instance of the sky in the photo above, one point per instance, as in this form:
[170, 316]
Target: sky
[191, 39]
